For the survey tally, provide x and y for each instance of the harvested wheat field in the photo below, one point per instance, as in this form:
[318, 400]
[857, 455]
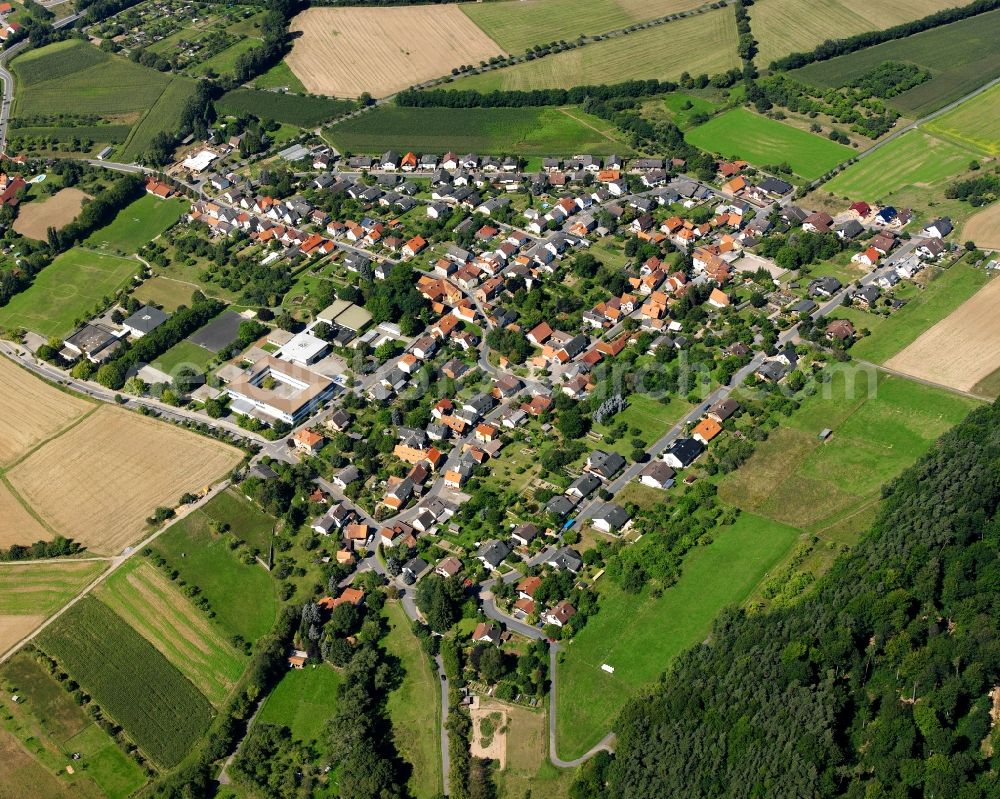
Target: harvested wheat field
[34, 219]
[99, 481]
[31, 411]
[17, 526]
[14, 628]
[345, 52]
[961, 349]
[984, 228]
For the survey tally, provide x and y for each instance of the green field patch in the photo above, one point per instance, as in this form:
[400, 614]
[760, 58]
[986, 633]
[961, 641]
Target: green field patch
[108, 134]
[881, 424]
[303, 701]
[184, 353]
[638, 635]
[163, 116]
[43, 588]
[169, 292]
[293, 109]
[224, 63]
[137, 224]
[155, 607]
[280, 76]
[961, 56]
[974, 124]
[49, 720]
[709, 46]
[743, 134]
[242, 595]
[67, 290]
[524, 131]
[246, 521]
[159, 708]
[414, 706]
[892, 334]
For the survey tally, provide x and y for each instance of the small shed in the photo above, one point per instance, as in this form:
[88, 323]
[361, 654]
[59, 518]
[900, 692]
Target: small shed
[825, 433]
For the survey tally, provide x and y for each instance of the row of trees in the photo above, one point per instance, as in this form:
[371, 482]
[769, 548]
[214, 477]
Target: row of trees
[444, 98]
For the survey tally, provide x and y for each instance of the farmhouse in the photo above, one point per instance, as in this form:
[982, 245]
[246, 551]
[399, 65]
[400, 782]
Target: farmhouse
[278, 390]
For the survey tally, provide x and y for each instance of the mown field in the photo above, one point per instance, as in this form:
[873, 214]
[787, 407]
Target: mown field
[303, 701]
[137, 224]
[246, 521]
[785, 26]
[741, 133]
[414, 707]
[280, 76]
[206, 560]
[709, 46]
[156, 705]
[74, 77]
[961, 56]
[881, 424]
[713, 576]
[184, 353]
[517, 24]
[291, 109]
[155, 607]
[100, 480]
[523, 131]
[974, 124]
[51, 726]
[163, 116]
[66, 290]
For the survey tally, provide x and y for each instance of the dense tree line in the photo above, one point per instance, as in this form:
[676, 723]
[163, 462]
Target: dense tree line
[58, 547]
[274, 42]
[97, 212]
[976, 191]
[445, 98]
[875, 685]
[832, 48]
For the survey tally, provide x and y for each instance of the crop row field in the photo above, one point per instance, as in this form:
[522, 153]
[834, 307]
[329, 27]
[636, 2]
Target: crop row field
[130, 679]
[714, 576]
[155, 607]
[163, 116]
[762, 141]
[786, 26]
[520, 131]
[960, 56]
[290, 109]
[974, 124]
[700, 43]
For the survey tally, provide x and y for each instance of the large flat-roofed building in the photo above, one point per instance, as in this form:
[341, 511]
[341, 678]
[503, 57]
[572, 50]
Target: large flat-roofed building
[303, 349]
[96, 343]
[279, 390]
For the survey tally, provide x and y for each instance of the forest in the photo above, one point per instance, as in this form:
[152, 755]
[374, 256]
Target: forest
[877, 684]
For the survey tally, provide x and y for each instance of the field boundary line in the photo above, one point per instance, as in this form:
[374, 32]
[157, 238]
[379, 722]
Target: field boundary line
[924, 381]
[596, 130]
[58, 434]
[28, 509]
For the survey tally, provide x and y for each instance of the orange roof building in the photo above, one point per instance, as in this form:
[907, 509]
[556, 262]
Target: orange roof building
[706, 430]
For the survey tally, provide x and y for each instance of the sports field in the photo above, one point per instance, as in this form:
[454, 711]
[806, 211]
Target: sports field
[524, 131]
[916, 160]
[709, 46]
[881, 424]
[35, 218]
[206, 560]
[32, 411]
[134, 683]
[345, 52]
[974, 124]
[714, 576]
[143, 596]
[97, 482]
[137, 224]
[741, 133]
[414, 706]
[303, 701]
[785, 26]
[518, 24]
[164, 115]
[960, 350]
[67, 290]
[961, 56]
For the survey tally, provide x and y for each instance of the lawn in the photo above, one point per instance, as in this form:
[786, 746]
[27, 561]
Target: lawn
[960, 56]
[714, 576]
[155, 607]
[49, 721]
[280, 76]
[881, 424]
[137, 224]
[224, 63]
[163, 116]
[762, 141]
[303, 701]
[242, 595]
[522, 131]
[246, 521]
[415, 707]
[974, 124]
[66, 291]
[894, 333]
[516, 25]
[184, 353]
[649, 415]
[168, 292]
[709, 47]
